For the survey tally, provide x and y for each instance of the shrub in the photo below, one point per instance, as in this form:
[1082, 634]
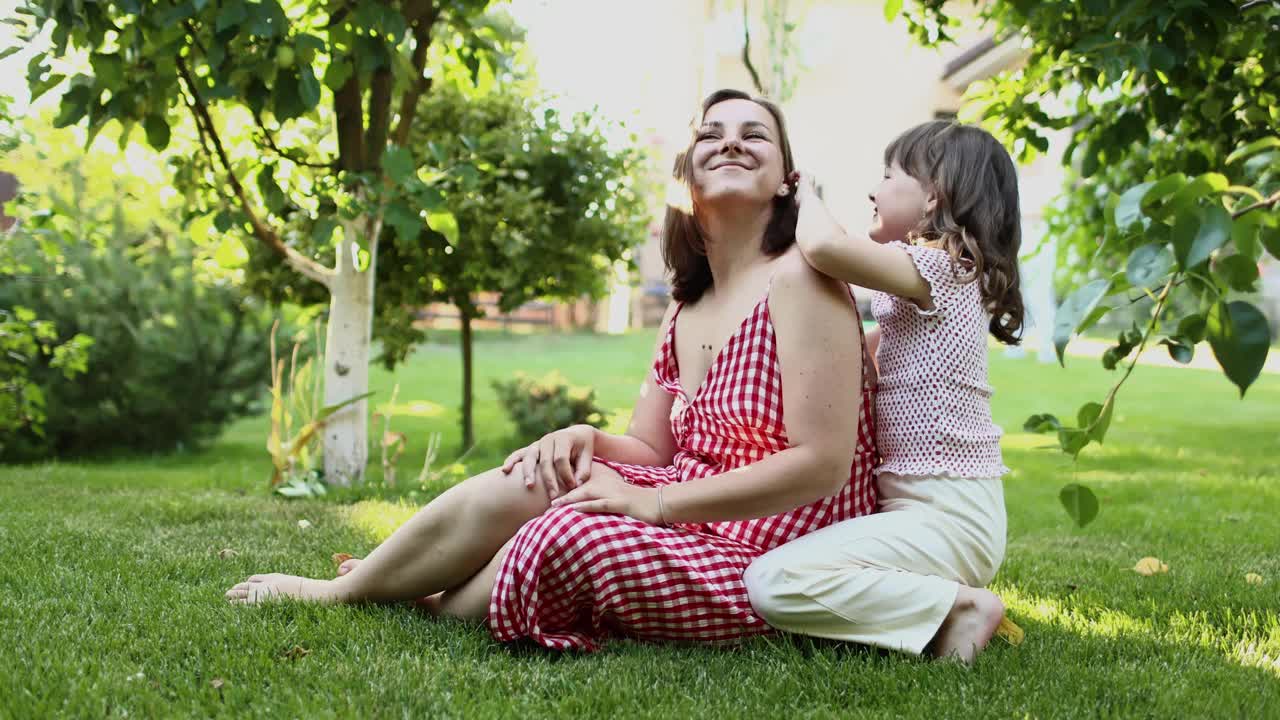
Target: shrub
[173, 358]
[538, 407]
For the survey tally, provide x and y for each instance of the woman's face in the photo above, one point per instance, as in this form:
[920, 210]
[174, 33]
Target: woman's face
[901, 202]
[737, 155]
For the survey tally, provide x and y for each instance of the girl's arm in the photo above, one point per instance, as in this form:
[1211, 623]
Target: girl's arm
[854, 257]
[811, 317]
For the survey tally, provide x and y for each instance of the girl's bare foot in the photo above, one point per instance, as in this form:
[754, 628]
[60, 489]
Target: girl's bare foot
[969, 626]
[259, 588]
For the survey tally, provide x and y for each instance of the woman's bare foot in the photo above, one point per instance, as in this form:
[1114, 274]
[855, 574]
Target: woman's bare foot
[348, 565]
[969, 626]
[259, 588]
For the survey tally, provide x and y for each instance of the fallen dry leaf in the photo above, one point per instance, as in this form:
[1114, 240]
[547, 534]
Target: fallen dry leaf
[339, 558]
[1010, 632]
[1150, 566]
[295, 652]
[217, 683]
[226, 553]
[304, 524]
[1254, 579]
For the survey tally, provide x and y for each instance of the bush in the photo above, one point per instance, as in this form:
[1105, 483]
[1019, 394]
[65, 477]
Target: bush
[173, 358]
[538, 407]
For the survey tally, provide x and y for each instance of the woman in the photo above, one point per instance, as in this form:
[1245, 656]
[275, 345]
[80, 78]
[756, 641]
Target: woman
[753, 429]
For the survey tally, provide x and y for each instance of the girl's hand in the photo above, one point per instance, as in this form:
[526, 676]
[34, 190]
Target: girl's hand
[806, 188]
[607, 493]
[561, 460]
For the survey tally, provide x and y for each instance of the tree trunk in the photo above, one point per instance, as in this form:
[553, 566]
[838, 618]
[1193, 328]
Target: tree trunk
[346, 370]
[468, 428]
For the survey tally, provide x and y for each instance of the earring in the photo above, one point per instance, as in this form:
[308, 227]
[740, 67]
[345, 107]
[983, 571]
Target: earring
[784, 191]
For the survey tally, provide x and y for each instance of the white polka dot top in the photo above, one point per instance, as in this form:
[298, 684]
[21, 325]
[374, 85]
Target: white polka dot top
[934, 402]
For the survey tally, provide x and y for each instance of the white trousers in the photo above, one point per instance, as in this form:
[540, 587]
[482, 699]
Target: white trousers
[890, 578]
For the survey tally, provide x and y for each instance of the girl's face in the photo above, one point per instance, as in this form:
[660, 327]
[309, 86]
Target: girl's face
[737, 154]
[901, 203]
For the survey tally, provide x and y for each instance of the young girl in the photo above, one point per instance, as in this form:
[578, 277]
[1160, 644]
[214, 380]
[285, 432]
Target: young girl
[942, 258]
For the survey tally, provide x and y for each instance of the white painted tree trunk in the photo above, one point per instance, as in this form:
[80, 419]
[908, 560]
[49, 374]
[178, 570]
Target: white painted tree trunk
[346, 367]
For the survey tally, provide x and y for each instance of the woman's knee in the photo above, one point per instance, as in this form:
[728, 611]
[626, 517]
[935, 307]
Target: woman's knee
[501, 497]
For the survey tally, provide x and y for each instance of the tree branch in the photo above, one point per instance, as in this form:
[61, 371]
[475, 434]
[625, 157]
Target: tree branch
[409, 101]
[1268, 203]
[295, 259]
[288, 154]
[746, 49]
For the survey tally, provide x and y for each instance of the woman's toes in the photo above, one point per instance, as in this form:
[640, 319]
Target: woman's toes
[347, 566]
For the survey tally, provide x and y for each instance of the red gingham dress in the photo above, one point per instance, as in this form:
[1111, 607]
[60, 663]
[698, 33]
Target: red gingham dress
[571, 579]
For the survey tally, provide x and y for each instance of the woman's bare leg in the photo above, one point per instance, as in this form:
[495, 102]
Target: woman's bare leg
[441, 547]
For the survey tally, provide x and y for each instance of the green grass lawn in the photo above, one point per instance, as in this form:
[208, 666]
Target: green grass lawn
[111, 583]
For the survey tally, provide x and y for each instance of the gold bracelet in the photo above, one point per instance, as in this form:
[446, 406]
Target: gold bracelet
[662, 510]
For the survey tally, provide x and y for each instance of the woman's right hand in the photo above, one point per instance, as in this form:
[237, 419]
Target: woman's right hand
[561, 460]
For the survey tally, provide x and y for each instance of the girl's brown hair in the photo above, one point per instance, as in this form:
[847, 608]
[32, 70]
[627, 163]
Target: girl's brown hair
[976, 218]
[684, 247]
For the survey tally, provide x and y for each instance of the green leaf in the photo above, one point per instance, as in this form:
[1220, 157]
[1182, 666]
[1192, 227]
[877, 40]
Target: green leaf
[108, 70]
[75, 104]
[1148, 265]
[1192, 328]
[157, 131]
[322, 232]
[398, 163]
[891, 9]
[1093, 317]
[1179, 351]
[336, 75]
[1253, 148]
[443, 222]
[1206, 185]
[308, 88]
[1042, 423]
[231, 253]
[1129, 209]
[1239, 272]
[1077, 305]
[1240, 337]
[1080, 502]
[407, 223]
[1213, 233]
[1095, 419]
[1072, 440]
[1163, 188]
[1270, 237]
[200, 229]
[1246, 236]
[1185, 228]
[231, 15]
[286, 97]
[272, 195]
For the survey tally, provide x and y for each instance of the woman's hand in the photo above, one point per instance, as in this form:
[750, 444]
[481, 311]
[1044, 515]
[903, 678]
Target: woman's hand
[561, 460]
[608, 493]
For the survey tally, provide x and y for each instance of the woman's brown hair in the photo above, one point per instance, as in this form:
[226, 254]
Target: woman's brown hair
[976, 218]
[684, 247]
